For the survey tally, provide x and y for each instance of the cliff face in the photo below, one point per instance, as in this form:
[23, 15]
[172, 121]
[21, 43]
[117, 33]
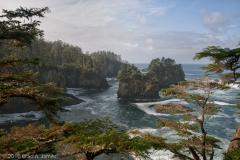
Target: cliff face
[138, 89]
[111, 69]
[91, 80]
[170, 75]
[73, 78]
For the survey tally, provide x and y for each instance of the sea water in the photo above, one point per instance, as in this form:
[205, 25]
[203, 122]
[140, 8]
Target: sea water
[133, 115]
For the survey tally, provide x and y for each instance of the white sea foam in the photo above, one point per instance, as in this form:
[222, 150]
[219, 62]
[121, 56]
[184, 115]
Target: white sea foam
[174, 100]
[75, 91]
[108, 79]
[231, 85]
[234, 86]
[162, 155]
[149, 110]
[14, 117]
[109, 97]
[223, 103]
[220, 114]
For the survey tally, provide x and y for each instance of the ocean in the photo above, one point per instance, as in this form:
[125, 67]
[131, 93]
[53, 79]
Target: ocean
[133, 115]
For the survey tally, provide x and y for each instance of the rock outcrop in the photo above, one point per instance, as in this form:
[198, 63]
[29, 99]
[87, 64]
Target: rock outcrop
[170, 75]
[20, 105]
[235, 142]
[92, 80]
[138, 89]
[73, 78]
[160, 74]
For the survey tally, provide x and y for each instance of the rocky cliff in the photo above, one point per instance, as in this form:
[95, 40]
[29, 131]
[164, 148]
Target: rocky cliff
[235, 142]
[135, 85]
[138, 89]
[169, 75]
[73, 78]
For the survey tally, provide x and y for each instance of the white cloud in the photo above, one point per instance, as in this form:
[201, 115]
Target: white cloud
[150, 48]
[211, 38]
[111, 25]
[143, 21]
[131, 45]
[213, 18]
[149, 40]
[217, 21]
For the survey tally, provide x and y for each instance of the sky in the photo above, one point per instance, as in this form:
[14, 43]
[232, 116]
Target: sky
[140, 30]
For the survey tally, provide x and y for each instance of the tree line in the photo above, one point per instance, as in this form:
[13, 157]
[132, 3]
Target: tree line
[64, 55]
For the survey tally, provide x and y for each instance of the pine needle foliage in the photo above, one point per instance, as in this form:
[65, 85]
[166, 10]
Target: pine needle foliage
[194, 142]
[19, 29]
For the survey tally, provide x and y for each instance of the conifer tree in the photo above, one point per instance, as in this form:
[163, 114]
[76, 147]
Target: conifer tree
[191, 129]
[225, 63]
[14, 80]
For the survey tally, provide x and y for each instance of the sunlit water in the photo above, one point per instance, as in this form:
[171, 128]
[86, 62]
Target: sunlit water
[130, 115]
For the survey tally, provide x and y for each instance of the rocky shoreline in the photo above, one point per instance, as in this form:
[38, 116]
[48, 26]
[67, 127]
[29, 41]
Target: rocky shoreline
[19, 105]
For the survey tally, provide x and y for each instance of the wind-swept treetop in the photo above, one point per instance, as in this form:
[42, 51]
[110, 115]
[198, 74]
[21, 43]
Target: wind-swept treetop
[156, 63]
[224, 59]
[128, 71]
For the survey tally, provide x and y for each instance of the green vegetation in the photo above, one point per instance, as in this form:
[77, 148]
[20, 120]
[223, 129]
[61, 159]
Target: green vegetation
[63, 55]
[87, 139]
[165, 71]
[103, 60]
[95, 137]
[14, 80]
[157, 71]
[194, 139]
[128, 71]
[224, 59]
[192, 130]
[172, 108]
[18, 79]
[233, 155]
[91, 138]
[156, 63]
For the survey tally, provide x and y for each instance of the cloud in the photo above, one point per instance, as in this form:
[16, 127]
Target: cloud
[149, 40]
[217, 21]
[214, 18]
[111, 25]
[131, 45]
[150, 48]
[143, 21]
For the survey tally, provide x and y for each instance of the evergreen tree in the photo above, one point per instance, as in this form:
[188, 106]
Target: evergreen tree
[224, 59]
[192, 129]
[14, 80]
[225, 63]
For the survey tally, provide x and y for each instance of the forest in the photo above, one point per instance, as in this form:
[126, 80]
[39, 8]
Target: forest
[23, 53]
